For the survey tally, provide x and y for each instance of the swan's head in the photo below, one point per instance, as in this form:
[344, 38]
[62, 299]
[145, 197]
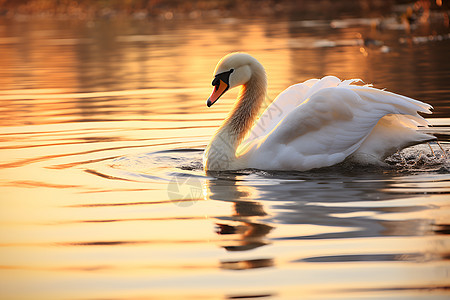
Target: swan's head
[233, 70]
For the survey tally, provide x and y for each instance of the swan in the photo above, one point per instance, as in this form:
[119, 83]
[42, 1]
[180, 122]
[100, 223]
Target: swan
[314, 124]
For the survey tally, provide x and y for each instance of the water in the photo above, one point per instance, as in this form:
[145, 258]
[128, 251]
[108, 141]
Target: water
[103, 195]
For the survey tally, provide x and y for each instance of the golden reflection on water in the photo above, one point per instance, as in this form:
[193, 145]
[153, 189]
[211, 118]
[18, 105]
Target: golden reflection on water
[87, 209]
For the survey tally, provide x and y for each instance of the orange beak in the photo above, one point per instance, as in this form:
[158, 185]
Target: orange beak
[218, 91]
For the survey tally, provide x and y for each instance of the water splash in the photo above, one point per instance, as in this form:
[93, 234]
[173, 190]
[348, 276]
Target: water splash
[421, 158]
[164, 165]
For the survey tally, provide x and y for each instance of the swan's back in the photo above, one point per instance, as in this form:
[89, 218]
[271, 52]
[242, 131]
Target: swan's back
[289, 99]
[320, 123]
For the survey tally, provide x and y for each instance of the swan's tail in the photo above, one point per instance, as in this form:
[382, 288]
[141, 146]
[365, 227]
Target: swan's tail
[401, 125]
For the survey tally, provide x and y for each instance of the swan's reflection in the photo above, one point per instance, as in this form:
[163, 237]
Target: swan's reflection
[338, 206]
[245, 228]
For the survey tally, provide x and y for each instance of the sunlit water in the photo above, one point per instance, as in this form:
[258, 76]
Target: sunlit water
[103, 195]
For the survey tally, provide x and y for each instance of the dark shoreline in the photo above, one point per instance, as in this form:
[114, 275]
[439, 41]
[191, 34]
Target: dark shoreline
[179, 9]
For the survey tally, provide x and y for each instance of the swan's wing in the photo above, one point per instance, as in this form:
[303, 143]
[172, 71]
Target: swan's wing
[399, 104]
[286, 102]
[329, 126]
[278, 109]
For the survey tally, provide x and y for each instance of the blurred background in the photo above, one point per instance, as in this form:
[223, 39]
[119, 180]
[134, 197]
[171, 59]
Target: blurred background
[111, 45]
[192, 9]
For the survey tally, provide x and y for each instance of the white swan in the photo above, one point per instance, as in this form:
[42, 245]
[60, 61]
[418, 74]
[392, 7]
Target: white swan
[314, 124]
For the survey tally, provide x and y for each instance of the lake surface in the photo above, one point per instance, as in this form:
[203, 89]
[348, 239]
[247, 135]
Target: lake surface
[103, 195]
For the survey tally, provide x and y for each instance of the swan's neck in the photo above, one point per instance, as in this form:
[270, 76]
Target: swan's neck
[221, 152]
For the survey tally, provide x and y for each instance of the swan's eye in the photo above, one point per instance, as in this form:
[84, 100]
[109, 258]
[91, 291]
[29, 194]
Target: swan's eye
[216, 82]
[224, 76]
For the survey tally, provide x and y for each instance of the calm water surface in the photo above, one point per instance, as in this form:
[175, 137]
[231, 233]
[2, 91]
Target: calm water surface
[103, 195]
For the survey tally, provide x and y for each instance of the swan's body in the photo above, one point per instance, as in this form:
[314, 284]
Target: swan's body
[314, 124]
